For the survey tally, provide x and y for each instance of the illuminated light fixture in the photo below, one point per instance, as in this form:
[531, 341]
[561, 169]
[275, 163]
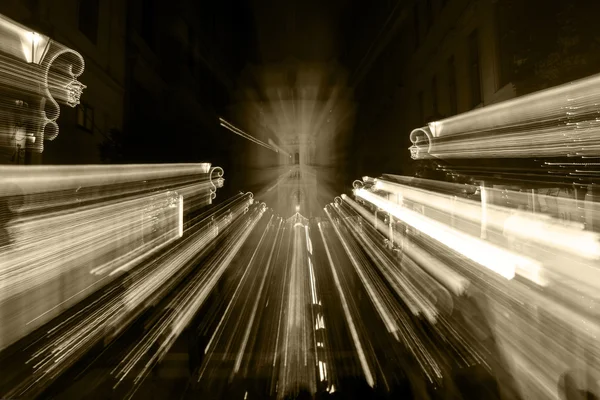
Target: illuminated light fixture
[74, 91]
[494, 258]
[33, 46]
[37, 51]
[24, 46]
[297, 208]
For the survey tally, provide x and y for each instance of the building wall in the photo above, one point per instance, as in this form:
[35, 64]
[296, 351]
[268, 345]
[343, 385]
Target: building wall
[389, 106]
[181, 68]
[104, 74]
[449, 36]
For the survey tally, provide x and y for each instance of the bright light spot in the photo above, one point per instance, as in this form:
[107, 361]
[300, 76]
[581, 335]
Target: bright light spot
[322, 371]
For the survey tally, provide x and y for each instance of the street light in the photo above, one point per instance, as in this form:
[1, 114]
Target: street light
[35, 47]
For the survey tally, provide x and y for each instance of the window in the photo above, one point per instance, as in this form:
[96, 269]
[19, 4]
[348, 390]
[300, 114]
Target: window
[475, 70]
[85, 117]
[297, 158]
[452, 86]
[421, 106]
[434, 95]
[88, 19]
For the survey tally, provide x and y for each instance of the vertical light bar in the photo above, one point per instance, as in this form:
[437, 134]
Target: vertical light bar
[484, 200]
[308, 241]
[180, 219]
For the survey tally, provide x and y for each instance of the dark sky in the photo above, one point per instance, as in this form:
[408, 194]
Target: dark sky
[310, 30]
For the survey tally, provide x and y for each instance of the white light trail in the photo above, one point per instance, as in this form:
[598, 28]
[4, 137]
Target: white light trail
[241, 352]
[560, 121]
[492, 257]
[243, 134]
[85, 225]
[353, 331]
[186, 303]
[449, 278]
[537, 228]
[384, 313]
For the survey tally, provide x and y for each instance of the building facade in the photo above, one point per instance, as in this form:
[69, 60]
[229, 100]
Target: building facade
[442, 58]
[96, 30]
[181, 65]
[154, 72]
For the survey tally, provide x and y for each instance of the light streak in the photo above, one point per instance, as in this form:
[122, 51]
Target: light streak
[238, 360]
[355, 337]
[279, 149]
[543, 333]
[492, 257]
[243, 134]
[538, 228]
[308, 241]
[543, 237]
[186, 303]
[484, 214]
[59, 231]
[412, 293]
[418, 291]
[366, 281]
[560, 121]
[450, 279]
[114, 309]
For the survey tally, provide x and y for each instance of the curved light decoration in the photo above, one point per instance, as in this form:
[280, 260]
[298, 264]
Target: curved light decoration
[421, 139]
[38, 74]
[216, 180]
